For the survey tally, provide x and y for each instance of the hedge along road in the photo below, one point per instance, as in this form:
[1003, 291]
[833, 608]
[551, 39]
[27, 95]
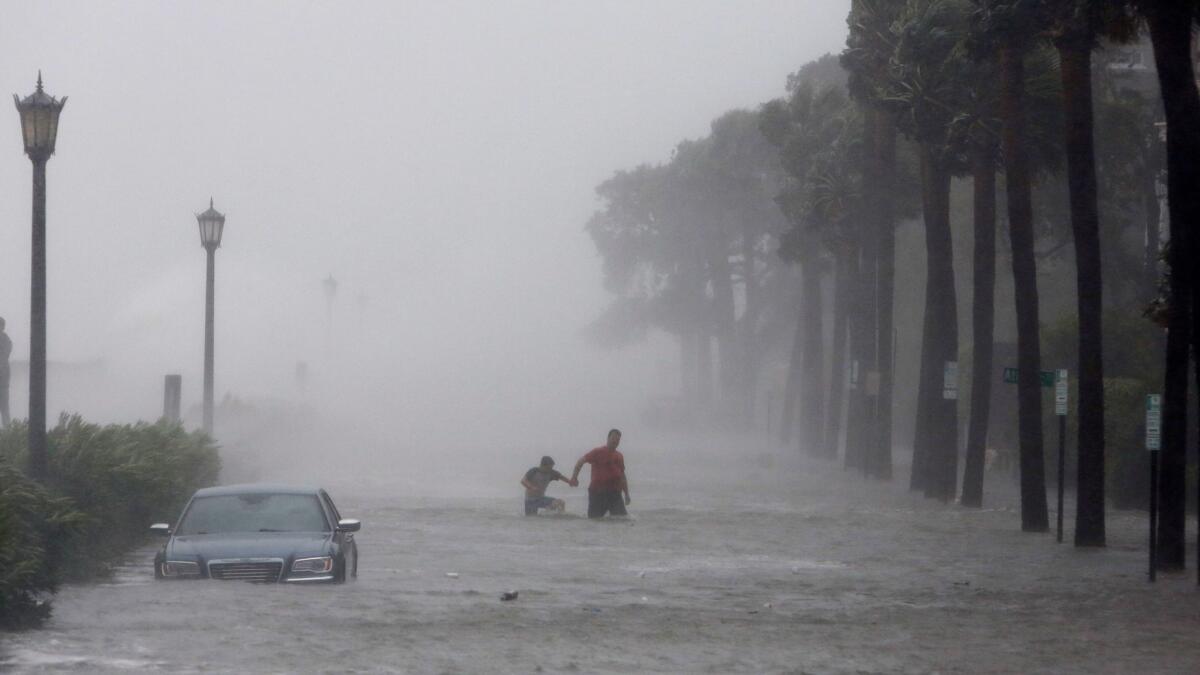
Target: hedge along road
[768, 565]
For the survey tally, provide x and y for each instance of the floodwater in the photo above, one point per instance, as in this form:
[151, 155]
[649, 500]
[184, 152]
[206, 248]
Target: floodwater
[768, 565]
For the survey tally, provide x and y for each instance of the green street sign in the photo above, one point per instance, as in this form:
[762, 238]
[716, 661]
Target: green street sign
[1011, 377]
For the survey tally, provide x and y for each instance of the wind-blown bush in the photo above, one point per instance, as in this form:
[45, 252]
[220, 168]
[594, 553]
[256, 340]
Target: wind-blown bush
[34, 527]
[106, 485]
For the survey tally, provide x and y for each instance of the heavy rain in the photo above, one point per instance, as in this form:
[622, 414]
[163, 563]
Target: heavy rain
[809, 336]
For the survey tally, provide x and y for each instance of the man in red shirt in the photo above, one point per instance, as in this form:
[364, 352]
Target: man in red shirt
[608, 478]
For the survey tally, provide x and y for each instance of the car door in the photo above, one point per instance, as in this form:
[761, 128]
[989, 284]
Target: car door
[344, 540]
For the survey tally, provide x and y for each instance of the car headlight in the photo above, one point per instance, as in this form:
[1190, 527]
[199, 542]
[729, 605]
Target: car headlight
[313, 565]
[180, 568]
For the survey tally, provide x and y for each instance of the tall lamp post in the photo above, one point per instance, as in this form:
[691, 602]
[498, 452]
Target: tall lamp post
[212, 226]
[330, 285]
[39, 129]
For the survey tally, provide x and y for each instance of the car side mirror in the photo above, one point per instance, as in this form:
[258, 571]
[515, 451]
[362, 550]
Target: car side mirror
[349, 525]
[161, 529]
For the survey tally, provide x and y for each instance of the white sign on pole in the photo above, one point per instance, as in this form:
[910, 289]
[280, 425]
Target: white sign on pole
[1153, 421]
[950, 380]
[853, 372]
[1060, 392]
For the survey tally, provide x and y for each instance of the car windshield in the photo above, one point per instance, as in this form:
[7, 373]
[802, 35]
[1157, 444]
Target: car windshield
[254, 513]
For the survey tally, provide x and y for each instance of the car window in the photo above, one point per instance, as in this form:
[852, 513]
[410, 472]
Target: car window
[254, 513]
[337, 517]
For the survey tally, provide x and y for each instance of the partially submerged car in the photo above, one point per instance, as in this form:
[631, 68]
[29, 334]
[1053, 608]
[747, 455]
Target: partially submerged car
[264, 533]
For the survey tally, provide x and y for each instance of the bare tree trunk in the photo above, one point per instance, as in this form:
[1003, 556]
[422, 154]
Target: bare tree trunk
[1034, 516]
[1171, 32]
[983, 322]
[1075, 58]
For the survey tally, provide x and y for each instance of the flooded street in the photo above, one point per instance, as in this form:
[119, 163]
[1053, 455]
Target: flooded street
[805, 572]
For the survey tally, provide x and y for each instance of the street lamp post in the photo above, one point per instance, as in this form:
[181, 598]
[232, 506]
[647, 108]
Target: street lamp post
[212, 226]
[330, 284]
[39, 128]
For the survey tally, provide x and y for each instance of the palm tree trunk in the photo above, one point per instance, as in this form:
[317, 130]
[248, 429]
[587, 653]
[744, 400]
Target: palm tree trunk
[982, 323]
[812, 385]
[837, 381]
[885, 282]
[749, 316]
[791, 393]
[941, 312]
[726, 322]
[1075, 57]
[1034, 517]
[1170, 31]
[857, 404]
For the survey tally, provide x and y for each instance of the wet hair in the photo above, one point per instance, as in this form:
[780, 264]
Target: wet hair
[613, 431]
[547, 461]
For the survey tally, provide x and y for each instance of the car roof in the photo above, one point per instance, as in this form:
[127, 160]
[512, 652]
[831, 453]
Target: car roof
[257, 489]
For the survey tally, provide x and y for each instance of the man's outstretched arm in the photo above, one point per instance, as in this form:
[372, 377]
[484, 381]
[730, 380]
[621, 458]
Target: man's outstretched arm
[578, 467]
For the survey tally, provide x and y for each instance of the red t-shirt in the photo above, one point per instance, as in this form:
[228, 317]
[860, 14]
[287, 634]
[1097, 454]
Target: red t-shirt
[608, 469]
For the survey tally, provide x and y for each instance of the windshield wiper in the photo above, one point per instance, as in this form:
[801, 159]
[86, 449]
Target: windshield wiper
[267, 529]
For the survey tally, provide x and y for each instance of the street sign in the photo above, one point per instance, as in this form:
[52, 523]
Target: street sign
[854, 372]
[1011, 377]
[1060, 392]
[950, 380]
[1153, 421]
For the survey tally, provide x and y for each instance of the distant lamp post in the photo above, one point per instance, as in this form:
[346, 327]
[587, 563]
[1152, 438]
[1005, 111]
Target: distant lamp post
[39, 129]
[330, 285]
[212, 226]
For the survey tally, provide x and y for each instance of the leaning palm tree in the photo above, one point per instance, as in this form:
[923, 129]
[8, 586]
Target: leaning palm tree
[1008, 30]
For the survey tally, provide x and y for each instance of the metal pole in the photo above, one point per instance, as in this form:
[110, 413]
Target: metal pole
[37, 327]
[1153, 514]
[208, 342]
[1062, 465]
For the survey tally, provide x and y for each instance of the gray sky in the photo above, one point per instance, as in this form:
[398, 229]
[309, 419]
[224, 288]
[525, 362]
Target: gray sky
[437, 158]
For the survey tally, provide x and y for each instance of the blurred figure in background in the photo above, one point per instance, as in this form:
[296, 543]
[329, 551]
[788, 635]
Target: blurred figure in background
[5, 351]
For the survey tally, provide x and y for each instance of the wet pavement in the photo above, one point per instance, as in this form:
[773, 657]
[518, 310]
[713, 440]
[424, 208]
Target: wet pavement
[769, 565]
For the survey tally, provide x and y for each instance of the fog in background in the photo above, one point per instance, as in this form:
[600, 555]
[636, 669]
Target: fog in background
[438, 159]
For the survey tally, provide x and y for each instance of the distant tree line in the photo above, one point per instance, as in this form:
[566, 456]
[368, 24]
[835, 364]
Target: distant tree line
[776, 238]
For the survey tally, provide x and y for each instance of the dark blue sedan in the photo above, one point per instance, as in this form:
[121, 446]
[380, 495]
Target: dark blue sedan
[264, 533]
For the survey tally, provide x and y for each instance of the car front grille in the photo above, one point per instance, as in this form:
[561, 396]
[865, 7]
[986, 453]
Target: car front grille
[246, 571]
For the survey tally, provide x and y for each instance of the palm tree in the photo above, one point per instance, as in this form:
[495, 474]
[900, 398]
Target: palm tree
[925, 88]
[1076, 28]
[1171, 23]
[1009, 28]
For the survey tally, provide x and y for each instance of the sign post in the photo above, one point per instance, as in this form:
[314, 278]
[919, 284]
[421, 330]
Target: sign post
[1060, 410]
[1153, 444]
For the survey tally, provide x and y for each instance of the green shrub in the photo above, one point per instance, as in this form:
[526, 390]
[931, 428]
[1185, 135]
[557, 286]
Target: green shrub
[34, 529]
[106, 485]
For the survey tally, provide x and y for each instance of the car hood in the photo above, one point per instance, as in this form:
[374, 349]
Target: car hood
[248, 545]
